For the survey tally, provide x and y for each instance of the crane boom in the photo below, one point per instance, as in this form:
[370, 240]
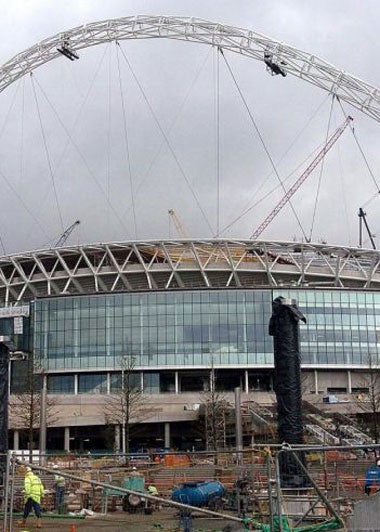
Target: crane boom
[64, 236]
[329, 144]
[180, 228]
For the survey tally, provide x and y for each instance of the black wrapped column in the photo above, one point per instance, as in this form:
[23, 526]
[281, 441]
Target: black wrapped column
[4, 360]
[284, 327]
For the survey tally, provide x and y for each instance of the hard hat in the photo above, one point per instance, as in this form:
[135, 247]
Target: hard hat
[134, 468]
[378, 462]
[55, 466]
[28, 469]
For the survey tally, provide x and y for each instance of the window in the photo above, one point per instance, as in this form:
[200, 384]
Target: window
[60, 384]
[92, 383]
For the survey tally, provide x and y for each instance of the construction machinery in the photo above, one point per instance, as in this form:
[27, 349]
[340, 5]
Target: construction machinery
[321, 154]
[65, 235]
[362, 219]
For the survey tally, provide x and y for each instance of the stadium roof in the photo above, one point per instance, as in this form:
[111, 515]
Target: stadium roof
[184, 264]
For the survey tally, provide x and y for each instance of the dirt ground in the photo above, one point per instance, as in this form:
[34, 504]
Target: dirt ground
[165, 520]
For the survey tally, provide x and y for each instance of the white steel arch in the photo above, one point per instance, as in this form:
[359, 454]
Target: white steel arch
[304, 65]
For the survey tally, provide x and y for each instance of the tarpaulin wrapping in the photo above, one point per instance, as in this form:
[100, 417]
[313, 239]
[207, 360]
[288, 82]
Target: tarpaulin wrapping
[4, 359]
[284, 327]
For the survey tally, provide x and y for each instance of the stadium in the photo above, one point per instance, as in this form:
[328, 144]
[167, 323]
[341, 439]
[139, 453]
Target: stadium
[183, 309]
[181, 316]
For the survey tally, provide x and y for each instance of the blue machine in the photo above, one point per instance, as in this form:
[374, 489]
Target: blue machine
[372, 479]
[199, 493]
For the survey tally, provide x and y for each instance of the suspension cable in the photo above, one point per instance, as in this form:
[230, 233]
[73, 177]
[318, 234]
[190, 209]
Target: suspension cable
[267, 194]
[10, 108]
[262, 141]
[217, 136]
[126, 140]
[321, 171]
[172, 124]
[360, 149]
[247, 207]
[8, 182]
[75, 145]
[182, 171]
[47, 153]
[108, 159]
[7, 115]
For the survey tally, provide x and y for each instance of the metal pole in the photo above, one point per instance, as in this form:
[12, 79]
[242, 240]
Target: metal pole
[13, 461]
[278, 491]
[239, 431]
[42, 443]
[6, 488]
[270, 495]
[320, 493]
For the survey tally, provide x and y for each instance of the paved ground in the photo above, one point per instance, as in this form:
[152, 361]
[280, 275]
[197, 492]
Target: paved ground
[159, 521]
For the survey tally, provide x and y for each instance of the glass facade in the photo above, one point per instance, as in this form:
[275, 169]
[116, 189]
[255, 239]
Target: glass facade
[197, 328]
[343, 327]
[185, 329]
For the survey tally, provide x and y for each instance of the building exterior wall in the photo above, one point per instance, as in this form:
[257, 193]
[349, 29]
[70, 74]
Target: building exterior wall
[177, 337]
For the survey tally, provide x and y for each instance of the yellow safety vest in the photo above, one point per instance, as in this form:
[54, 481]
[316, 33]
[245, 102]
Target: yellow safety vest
[33, 487]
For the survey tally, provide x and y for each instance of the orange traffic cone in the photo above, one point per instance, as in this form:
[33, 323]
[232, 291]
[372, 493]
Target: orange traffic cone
[73, 528]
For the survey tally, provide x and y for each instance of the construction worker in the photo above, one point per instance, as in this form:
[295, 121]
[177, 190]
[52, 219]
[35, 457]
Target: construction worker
[33, 493]
[152, 490]
[60, 486]
[134, 472]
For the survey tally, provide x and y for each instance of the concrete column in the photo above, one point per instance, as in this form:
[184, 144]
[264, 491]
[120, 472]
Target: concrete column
[16, 440]
[349, 381]
[76, 384]
[167, 435]
[316, 380]
[67, 439]
[108, 383]
[246, 381]
[176, 382]
[117, 438]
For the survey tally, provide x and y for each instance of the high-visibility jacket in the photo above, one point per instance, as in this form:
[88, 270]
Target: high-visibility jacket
[152, 490]
[60, 482]
[33, 487]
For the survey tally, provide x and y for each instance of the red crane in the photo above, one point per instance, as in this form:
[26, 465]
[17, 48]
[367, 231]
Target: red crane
[329, 144]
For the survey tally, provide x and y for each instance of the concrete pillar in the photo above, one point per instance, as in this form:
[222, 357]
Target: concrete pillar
[246, 381]
[16, 440]
[176, 382]
[167, 436]
[67, 439]
[117, 438]
[349, 381]
[316, 380]
[76, 384]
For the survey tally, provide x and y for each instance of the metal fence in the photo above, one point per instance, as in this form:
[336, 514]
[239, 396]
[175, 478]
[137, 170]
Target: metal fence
[255, 490]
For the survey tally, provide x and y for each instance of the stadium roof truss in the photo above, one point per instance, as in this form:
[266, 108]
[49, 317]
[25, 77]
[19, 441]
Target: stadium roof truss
[304, 65]
[184, 264]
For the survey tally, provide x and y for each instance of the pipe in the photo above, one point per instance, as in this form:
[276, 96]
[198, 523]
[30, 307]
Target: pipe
[153, 498]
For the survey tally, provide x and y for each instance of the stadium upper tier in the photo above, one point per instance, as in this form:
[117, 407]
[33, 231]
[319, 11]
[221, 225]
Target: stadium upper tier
[170, 264]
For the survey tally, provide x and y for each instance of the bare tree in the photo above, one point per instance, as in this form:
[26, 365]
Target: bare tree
[369, 400]
[216, 408]
[126, 406]
[25, 406]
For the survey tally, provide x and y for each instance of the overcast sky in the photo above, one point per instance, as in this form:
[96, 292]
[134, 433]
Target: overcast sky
[79, 141]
